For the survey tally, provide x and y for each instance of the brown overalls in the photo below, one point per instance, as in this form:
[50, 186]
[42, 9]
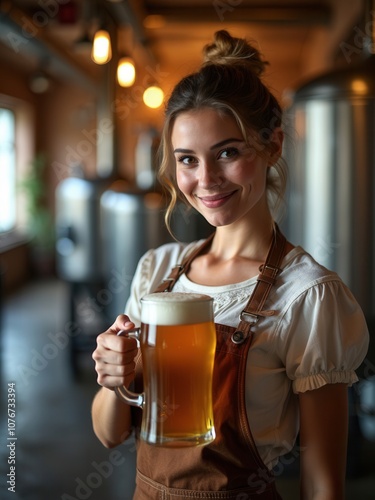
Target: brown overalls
[229, 467]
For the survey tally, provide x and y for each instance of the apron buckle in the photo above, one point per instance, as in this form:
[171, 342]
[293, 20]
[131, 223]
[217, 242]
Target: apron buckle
[248, 317]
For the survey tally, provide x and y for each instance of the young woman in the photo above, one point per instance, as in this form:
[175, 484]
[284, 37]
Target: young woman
[221, 154]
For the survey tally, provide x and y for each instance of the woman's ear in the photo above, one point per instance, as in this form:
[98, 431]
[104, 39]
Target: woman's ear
[276, 145]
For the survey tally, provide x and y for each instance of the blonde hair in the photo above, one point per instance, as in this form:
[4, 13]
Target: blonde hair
[230, 82]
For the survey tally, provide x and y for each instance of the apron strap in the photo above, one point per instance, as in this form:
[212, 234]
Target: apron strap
[168, 283]
[266, 279]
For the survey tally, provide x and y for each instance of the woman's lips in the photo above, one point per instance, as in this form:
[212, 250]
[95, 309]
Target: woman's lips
[216, 200]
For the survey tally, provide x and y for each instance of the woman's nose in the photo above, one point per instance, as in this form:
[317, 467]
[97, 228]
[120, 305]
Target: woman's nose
[209, 175]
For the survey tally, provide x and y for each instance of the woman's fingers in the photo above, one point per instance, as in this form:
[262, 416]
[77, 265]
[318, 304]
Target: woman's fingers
[115, 349]
[114, 354]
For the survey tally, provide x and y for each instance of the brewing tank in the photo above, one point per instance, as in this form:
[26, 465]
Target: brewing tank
[330, 149]
[131, 224]
[78, 237]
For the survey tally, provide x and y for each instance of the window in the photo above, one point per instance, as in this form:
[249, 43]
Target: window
[7, 170]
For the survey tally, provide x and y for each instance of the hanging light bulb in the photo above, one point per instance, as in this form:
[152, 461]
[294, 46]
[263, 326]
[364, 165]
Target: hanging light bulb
[153, 97]
[126, 72]
[101, 48]
[39, 83]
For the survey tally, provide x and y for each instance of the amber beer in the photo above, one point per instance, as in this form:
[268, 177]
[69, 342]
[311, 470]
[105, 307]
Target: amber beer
[178, 347]
[177, 341]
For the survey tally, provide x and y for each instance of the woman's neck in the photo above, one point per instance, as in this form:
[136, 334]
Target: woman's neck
[249, 241]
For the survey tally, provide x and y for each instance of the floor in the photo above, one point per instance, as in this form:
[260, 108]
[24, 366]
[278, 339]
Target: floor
[54, 450]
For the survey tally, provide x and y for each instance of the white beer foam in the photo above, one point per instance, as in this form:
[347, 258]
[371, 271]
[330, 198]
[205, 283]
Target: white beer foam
[175, 308]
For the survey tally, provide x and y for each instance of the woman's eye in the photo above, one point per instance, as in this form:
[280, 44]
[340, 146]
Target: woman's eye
[186, 160]
[229, 153]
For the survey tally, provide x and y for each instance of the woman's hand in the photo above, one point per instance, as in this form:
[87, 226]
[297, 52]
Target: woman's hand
[114, 355]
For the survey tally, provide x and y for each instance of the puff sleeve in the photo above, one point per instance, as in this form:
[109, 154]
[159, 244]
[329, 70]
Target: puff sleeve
[139, 287]
[326, 337]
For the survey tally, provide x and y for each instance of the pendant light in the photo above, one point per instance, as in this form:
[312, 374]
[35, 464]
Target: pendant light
[39, 83]
[101, 47]
[153, 97]
[126, 72]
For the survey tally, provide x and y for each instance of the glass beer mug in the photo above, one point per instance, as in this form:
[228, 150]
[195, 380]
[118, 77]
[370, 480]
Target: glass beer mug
[177, 340]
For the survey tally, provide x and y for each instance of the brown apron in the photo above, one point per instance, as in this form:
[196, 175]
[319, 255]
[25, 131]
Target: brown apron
[230, 467]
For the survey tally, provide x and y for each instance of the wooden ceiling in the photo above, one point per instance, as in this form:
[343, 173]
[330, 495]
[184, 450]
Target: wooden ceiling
[172, 33]
[280, 29]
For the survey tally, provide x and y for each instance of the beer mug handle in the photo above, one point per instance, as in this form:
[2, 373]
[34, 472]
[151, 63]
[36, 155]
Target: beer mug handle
[129, 397]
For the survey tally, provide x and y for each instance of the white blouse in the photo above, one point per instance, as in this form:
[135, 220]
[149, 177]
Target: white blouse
[318, 335]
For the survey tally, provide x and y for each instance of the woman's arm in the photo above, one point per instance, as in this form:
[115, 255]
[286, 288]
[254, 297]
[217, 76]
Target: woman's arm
[114, 363]
[111, 418]
[323, 440]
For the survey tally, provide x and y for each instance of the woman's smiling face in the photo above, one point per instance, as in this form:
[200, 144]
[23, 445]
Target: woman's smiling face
[216, 171]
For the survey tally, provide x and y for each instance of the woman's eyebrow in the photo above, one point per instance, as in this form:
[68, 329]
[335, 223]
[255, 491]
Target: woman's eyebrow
[215, 146]
[181, 150]
[226, 141]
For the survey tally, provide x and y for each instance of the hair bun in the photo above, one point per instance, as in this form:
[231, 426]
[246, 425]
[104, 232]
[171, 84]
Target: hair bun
[227, 50]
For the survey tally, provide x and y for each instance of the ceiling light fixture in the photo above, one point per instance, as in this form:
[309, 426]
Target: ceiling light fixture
[153, 97]
[126, 72]
[101, 47]
[39, 83]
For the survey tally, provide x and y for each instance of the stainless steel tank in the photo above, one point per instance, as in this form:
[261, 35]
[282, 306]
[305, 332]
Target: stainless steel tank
[78, 238]
[331, 156]
[131, 224]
